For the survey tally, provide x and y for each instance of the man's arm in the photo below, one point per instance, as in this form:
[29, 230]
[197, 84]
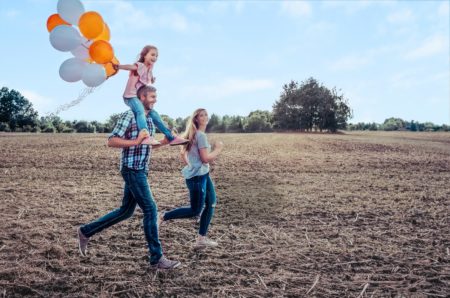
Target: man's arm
[117, 142]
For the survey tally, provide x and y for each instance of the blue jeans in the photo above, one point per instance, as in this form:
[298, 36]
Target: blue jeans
[136, 191]
[202, 194]
[139, 113]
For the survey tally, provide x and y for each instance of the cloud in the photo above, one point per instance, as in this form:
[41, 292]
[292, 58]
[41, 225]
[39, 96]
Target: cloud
[403, 16]
[350, 63]
[351, 7]
[125, 15]
[11, 13]
[443, 9]
[174, 21]
[413, 78]
[431, 46]
[296, 8]
[228, 87]
[224, 7]
[40, 102]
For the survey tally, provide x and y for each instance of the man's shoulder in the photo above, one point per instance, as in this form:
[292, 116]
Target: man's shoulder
[125, 119]
[126, 116]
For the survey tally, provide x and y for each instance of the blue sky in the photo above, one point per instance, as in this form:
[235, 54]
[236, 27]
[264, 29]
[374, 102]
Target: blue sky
[389, 58]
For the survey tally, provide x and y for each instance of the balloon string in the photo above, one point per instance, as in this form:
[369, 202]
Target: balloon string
[83, 94]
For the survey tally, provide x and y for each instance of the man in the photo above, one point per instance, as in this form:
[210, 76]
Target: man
[134, 169]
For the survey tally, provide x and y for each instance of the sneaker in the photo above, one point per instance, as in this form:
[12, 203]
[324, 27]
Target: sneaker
[165, 263]
[203, 242]
[150, 141]
[178, 141]
[82, 242]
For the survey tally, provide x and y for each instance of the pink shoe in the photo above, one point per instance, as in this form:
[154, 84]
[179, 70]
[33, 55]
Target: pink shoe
[178, 141]
[150, 141]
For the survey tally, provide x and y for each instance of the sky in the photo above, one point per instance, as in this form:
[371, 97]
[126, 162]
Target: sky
[388, 58]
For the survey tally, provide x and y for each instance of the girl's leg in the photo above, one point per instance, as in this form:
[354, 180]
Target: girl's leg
[160, 125]
[138, 110]
[210, 205]
[197, 194]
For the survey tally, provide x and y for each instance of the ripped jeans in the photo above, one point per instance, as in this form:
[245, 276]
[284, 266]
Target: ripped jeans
[202, 194]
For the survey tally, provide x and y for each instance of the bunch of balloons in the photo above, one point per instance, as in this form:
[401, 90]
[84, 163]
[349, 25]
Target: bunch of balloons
[94, 59]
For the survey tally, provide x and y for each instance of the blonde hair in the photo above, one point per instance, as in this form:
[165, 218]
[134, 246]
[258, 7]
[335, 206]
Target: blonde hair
[143, 53]
[191, 129]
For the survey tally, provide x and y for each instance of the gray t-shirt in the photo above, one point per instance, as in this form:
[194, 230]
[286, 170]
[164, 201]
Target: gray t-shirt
[196, 167]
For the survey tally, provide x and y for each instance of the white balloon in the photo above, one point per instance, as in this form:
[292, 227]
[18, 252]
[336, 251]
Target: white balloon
[72, 69]
[82, 51]
[93, 75]
[70, 10]
[65, 38]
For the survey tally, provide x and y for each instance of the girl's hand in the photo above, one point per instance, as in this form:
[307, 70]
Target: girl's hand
[115, 66]
[218, 145]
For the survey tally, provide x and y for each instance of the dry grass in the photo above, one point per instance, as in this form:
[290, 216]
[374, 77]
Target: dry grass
[357, 215]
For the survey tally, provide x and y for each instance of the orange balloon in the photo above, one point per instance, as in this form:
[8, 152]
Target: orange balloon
[91, 24]
[109, 67]
[101, 51]
[105, 35]
[55, 20]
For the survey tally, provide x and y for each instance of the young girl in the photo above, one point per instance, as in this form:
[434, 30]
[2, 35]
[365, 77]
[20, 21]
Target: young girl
[141, 74]
[196, 155]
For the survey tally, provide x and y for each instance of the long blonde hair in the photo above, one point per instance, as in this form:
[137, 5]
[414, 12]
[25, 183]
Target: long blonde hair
[191, 129]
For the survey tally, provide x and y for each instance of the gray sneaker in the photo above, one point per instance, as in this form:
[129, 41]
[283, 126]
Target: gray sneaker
[82, 242]
[165, 263]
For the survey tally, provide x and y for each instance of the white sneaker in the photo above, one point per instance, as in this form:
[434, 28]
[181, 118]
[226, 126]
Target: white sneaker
[203, 242]
[150, 141]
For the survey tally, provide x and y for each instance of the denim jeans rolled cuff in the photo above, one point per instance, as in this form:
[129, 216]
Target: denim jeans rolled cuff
[159, 123]
[138, 111]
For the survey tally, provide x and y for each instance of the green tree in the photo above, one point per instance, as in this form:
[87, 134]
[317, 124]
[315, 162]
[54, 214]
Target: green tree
[236, 124]
[98, 126]
[310, 106]
[16, 110]
[169, 122]
[259, 121]
[392, 123]
[84, 126]
[213, 124]
[413, 126]
[111, 122]
[180, 124]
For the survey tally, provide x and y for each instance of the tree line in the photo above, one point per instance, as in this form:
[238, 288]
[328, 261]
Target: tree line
[305, 106]
[398, 124]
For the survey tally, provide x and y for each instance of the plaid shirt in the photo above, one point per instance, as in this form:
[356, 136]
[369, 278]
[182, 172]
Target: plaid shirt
[135, 157]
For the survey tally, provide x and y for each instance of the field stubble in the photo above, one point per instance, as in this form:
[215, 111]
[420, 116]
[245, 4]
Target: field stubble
[357, 214]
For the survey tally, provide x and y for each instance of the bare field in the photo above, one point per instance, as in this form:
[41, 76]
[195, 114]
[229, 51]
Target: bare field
[348, 215]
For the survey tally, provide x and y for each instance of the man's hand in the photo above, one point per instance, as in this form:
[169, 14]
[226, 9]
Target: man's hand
[153, 80]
